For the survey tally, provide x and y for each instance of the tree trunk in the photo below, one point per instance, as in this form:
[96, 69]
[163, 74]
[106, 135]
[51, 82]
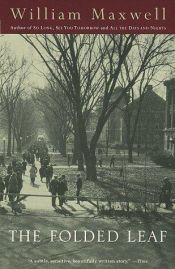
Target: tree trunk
[77, 153]
[130, 156]
[107, 137]
[91, 171]
[13, 145]
[80, 161]
[9, 146]
[75, 150]
[19, 146]
[62, 146]
[89, 154]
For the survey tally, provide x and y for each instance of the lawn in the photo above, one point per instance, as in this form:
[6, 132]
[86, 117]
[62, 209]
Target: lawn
[110, 183]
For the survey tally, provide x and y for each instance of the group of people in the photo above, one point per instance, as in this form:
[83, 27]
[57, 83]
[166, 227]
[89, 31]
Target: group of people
[58, 186]
[47, 172]
[12, 184]
[39, 151]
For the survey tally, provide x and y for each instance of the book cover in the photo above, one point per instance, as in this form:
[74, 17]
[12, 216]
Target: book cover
[87, 134]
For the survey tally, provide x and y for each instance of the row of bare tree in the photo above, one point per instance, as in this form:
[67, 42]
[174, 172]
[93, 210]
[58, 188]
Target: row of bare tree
[17, 115]
[84, 74]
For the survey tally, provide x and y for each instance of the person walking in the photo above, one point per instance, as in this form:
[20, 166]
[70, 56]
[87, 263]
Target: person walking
[12, 187]
[112, 161]
[14, 164]
[79, 184]
[165, 195]
[20, 182]
[6, 181]
[9, 169]
[33, 173]
[42, 172]
[62, 188]
[53, 188]
[13, 190]
[24, 166]
[2, 188]
[49, 174]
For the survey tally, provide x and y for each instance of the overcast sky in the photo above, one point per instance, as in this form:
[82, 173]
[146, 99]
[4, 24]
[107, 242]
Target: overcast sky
[21, 48]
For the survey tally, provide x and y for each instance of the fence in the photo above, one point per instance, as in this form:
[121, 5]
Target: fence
[144, 201]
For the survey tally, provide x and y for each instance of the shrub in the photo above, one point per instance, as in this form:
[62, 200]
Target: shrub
[162, 158]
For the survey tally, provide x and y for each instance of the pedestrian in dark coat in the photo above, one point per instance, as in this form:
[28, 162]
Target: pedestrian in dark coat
[9, 169]
[24, 166]
[79, 184]
[46, 160]
[62, 188]
[112, 161]
[20, 181]
[6, 181]
[42, 172]
[13, 187]
[165, 195]
[2, 188]
[49, 174]
[53, 188]
[14, 164]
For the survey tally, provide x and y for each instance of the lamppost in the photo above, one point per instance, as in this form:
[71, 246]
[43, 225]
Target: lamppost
[4, 145]
[172, 141]
[20, 144]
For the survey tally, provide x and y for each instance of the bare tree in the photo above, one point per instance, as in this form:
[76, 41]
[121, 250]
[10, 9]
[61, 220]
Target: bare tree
[12, 86]
[24, 122]
[160, 62]
[90, 66]
[55, 107]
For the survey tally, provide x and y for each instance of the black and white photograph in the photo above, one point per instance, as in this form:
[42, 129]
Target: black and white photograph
[87, 151]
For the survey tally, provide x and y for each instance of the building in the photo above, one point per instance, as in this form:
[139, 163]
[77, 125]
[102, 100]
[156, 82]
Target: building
[150, 124]
[169, 131]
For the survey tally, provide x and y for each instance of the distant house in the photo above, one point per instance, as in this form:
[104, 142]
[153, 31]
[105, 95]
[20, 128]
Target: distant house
[150, 124]
[151, 121]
